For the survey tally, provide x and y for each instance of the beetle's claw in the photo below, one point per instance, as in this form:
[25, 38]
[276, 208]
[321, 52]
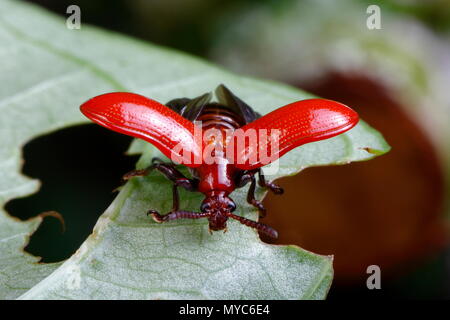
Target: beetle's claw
[276, 189]
[156, 216]
[260, 207]
[135, 173]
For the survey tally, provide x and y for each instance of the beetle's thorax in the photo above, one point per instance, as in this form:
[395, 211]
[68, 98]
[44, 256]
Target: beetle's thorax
[216, 177]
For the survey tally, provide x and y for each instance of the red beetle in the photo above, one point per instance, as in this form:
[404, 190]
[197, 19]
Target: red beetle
[172, 130]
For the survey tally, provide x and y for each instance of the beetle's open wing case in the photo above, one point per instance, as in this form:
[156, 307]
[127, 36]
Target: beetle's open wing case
[289, 127]
[143, 118]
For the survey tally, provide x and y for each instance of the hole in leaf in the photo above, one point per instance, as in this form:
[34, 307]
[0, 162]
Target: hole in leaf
[78, 168]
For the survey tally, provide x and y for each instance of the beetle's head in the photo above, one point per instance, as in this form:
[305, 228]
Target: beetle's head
[218, 206]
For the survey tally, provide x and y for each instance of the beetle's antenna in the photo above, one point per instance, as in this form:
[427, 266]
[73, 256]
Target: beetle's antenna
[176, 215]
[261, 227]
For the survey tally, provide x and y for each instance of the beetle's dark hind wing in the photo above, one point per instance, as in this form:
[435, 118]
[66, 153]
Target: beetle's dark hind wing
[178, 104]
[194, 107]
[227, 98]
[189, 108]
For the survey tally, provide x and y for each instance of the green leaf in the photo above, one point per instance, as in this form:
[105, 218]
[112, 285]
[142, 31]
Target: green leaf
[47, 71]
[18, 270]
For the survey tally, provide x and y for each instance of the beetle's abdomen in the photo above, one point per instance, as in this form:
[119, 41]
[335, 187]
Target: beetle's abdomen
[218, 116]
[217, 175]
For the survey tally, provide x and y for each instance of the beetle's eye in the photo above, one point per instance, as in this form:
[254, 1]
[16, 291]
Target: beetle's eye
[205, 207]
[231, 206]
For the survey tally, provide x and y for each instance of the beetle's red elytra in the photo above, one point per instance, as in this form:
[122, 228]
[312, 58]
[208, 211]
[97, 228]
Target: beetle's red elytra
[224, 143]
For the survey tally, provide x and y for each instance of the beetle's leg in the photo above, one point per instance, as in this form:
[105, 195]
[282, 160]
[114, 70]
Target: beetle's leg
[261, 227]
[144, 172]
[176, 215]
[244, 178]
[134, 173]
[176, 198]
[252, 200]
[179, 180]
[169, 171]
[269, 185]
[173, 174]
[159, 160]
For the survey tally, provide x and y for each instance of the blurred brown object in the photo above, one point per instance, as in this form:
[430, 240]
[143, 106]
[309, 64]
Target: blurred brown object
[386, 211]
